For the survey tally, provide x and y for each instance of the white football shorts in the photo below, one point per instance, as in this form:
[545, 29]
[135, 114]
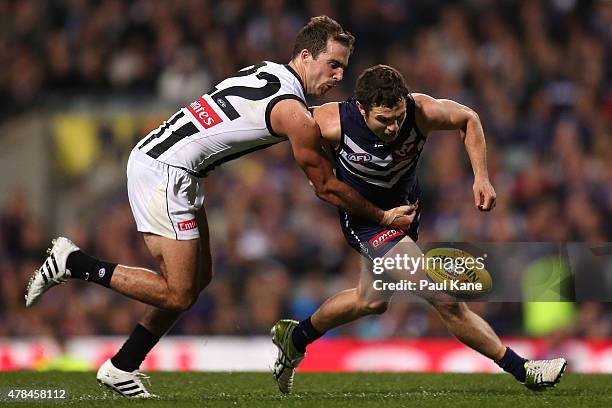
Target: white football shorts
[164, 199]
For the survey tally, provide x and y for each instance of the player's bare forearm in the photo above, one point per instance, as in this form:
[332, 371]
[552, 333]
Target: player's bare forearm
[343, 196]
[319, 170]
[444, 114]
[330, 189]
[317, 167]
[475, 145]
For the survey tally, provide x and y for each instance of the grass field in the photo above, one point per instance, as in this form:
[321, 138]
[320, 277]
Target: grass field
[319, 390]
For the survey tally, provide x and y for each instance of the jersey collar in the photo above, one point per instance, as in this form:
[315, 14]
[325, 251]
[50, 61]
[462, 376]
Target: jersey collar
[297, 76]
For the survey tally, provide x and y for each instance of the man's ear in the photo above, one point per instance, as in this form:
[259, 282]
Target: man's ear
[305, 55]
[361, 109]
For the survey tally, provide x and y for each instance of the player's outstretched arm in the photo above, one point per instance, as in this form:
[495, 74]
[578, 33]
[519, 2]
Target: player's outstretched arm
[444, 114]
[291, 118]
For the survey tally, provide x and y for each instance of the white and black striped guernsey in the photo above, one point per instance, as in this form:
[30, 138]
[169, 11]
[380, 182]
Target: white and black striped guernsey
[385, 174]
[231, 120]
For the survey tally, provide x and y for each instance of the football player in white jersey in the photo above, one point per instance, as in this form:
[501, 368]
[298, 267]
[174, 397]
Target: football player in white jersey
[258, 107]
[370, 135]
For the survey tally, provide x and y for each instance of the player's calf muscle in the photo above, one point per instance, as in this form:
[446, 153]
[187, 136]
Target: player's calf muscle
[148, 287]
[373, 307]
[451, 310]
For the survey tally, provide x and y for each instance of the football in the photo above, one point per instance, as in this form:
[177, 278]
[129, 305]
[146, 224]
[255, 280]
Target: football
[458, 273]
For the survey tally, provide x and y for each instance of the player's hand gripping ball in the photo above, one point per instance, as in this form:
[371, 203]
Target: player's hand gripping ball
[458, 273]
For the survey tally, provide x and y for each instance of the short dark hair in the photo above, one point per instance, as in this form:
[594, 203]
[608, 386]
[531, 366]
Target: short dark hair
[314, 35]
[380, 85]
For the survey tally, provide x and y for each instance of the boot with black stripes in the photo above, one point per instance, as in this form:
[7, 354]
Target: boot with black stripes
[52, 272]
[128, 384]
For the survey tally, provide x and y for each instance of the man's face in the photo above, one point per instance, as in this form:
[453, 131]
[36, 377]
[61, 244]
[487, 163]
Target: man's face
[385, 122]
[327, 70]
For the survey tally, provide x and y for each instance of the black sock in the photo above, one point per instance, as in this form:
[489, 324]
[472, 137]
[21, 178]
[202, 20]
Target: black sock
[88, 268]
[304, 334]
[135, 349]
[514, 364]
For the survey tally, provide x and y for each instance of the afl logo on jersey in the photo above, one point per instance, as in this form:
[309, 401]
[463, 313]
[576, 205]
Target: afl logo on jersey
[359, 157]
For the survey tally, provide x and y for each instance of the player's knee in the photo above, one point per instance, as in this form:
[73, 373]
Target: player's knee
[373, 307]
[180, 301]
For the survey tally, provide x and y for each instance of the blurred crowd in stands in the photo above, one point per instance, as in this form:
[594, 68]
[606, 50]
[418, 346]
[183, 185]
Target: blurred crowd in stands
[537, 73]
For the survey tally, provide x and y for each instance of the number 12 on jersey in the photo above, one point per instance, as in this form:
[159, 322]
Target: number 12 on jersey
[271, 87]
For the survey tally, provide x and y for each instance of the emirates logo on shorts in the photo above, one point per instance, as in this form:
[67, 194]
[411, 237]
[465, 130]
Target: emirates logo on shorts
[187, 225]
[385, 236]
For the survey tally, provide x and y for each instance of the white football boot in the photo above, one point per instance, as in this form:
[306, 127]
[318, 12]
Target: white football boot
[52, 272]
[542, 374]
[128, 384]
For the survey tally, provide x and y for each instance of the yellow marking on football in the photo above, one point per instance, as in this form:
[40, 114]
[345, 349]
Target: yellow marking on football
[457, 273]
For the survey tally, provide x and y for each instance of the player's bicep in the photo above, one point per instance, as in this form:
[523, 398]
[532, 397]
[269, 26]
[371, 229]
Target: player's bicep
[327, 117]
[308, 152]
[305, 138]
[441, 114]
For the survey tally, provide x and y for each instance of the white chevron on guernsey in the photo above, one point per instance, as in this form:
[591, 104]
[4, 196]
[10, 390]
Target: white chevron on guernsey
[373, 172]
[357, 149]
[385, 184]
[388, 161]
